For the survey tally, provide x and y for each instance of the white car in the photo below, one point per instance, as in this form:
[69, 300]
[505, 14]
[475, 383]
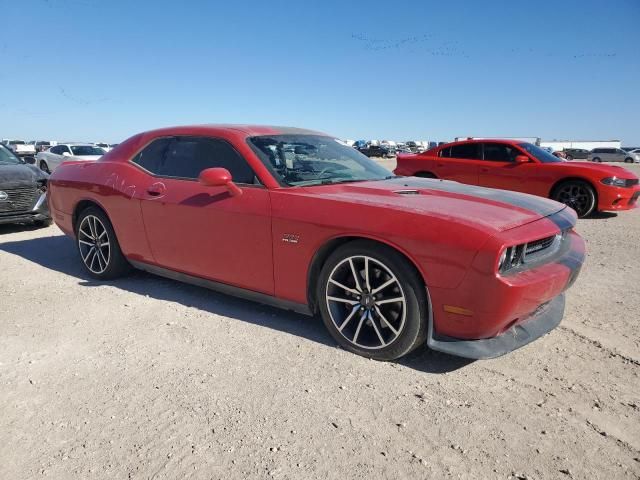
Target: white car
[105, 146]
[50, 159]
[20, 148]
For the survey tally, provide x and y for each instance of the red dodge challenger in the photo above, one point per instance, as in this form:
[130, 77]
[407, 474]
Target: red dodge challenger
[297, 219]
[512, 165]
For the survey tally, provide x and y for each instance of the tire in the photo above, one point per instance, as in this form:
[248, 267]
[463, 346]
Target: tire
[94, 233]
[425, 175]
[628, 160]
[358, 321]
[44, 167]
[596, 159]
[578, 195]
[569, 158]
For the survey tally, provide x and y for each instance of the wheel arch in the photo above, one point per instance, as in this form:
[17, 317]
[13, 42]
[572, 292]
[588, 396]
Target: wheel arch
[322, 254]
[425, 174]
[573, 178]
[83, 205]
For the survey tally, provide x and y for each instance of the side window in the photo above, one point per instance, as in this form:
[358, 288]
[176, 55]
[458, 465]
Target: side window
[445, 153]
[500, 152]
[55, 150]
[186, 157]
[151, 157]
[470, 151]
[63, 149]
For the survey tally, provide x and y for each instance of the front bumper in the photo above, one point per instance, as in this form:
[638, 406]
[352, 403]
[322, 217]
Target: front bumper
[618, 198]
[539, 323]
[39, 212]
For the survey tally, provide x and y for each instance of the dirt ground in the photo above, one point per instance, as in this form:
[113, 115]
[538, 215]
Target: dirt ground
[146, 378]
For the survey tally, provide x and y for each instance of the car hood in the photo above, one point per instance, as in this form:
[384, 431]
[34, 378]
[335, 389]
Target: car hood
[498, 210]
[604, 169]
[18, 175]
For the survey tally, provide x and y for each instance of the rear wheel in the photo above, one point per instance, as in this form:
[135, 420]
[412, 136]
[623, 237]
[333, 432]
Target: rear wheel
[98, 246]
[569, 157]
[372, 301]
[578, 195]
[44, 167]
[596, 159]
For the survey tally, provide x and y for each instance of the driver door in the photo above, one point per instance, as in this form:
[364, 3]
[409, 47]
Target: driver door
[202, 230]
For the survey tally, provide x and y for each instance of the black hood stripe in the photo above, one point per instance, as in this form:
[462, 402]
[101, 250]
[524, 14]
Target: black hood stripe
[539, 205]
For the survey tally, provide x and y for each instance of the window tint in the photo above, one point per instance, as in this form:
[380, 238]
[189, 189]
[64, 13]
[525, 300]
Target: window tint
[186, 157]
[469, 151]
[500, 152]
[57, 150]
[445, 152]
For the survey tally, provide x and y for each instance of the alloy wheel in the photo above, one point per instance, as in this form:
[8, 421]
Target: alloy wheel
[366, 302]
[94, 244]
[576, 196]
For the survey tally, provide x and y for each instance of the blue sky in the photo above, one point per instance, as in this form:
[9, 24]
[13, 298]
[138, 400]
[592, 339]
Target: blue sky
[102, 70]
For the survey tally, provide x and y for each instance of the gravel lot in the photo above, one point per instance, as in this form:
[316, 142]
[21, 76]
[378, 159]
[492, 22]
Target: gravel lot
[148, 378]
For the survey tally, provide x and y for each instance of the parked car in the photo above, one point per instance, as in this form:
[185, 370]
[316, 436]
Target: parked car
[612, 155]
[105, 146]
[576, 153]
[402, 147]
[50, 159]
[23, 191]
[415, 147]
[377, 150]
[293, 218]
[20, 148]
[524, 167]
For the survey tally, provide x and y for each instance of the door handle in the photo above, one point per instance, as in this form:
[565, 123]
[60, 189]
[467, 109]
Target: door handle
[156, 189]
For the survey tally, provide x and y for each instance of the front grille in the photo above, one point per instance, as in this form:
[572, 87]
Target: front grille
[19, 199]
[539, 245]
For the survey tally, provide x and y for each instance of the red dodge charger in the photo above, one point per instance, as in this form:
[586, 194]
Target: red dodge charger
[297, 219]
[523, 167]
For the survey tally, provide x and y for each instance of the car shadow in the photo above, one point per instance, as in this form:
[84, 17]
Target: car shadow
[58, 253]
[600, 215]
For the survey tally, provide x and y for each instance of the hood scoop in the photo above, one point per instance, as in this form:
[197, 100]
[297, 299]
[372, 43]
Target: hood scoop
[407, 191]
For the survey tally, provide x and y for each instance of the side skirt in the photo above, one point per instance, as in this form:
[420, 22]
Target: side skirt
[224, 288]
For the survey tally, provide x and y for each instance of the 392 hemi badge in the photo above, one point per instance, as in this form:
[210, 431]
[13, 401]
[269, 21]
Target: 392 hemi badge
[290, 238]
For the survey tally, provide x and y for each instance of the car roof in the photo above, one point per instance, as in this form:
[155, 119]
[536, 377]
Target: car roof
[249, 130]
[483, 140]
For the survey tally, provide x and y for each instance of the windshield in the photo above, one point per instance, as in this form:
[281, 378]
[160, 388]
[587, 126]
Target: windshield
[81, 150]
[541, 154]
[302, 160]
[7, 157]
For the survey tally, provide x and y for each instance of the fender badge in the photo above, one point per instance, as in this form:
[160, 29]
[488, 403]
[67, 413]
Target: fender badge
[290, 238]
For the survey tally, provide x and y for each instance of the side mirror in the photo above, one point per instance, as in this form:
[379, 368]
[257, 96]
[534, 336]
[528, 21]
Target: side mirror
[522, 159]
[66, 154]
[219, 177]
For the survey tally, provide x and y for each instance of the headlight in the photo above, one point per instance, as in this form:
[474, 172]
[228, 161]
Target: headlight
[614, 181]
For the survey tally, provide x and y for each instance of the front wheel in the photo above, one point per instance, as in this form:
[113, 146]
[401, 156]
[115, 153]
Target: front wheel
[372, 301]
[569, 158]
[98, 246]
[44, 167]
[596, 159]
[578, 195]
[628, 160]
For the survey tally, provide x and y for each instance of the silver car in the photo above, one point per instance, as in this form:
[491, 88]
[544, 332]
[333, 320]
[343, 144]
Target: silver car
[612, 155]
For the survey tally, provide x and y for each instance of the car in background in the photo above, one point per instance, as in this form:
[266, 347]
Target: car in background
[20, 148]
[50, 159]
[23, 191]
[296, 219]
[631, 149]
[415, 147]
[524, 167]
[402, 147]
[376, 149]
[105, 146]
[42, 145]
[576, 153]
[559, 154]
[612, 155]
